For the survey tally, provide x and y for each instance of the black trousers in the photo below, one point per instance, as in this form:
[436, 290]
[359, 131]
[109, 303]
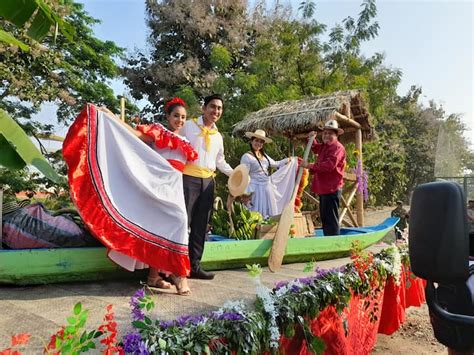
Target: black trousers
[199, 199]
[329, 212]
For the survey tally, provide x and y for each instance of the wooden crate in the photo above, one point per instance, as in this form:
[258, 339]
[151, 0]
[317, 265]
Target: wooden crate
[302, 223]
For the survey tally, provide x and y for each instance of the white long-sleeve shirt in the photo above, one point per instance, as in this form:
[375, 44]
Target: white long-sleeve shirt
[212, 159]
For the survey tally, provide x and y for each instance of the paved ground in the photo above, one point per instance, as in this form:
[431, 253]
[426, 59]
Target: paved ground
[41, 310]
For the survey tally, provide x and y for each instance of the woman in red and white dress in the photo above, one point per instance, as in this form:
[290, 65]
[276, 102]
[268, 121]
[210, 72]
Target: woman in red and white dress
[129, 191]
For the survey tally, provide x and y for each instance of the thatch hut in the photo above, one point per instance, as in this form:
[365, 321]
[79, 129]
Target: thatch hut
[295, 119]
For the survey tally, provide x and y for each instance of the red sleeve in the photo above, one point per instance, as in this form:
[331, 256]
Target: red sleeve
[316, 147]
[330, 160]
[166, 139]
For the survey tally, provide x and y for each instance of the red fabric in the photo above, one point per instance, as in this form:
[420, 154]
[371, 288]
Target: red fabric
[329, 168]
[362, 330]
[167, 139]
[88, 194]
[353, 332]
[393, 310]
[176, 164]
[329, 326]
[415, 291]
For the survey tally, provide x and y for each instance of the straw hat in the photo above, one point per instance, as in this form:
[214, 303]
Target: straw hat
[239, 180]
[334, 126]
[260, 134]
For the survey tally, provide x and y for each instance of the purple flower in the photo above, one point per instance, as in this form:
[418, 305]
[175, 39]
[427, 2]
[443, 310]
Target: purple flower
[166, 323]
[183, 320]
[362, 180]
[131, 342]
[295, 288]
[142, 349]
[306, 280]
[280, 284]
[137, 313]
[232, 316]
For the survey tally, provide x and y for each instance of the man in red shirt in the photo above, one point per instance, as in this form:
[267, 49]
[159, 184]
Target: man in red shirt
[328, 176]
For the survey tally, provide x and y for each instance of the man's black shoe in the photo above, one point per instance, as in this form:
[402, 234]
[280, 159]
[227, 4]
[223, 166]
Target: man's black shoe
[201, 274]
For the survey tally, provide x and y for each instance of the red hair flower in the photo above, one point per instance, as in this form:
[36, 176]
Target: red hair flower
[175, 101]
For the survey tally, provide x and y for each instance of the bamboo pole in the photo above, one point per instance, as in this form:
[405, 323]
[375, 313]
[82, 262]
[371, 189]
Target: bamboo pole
[342, 118]
[360, 196]
[50, 137]
[348, 211]
[312, 198]
[122, 109]
[349, 200]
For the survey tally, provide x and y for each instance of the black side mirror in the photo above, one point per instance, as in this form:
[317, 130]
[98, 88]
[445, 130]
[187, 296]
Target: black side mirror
[439, 253]
[438, 236]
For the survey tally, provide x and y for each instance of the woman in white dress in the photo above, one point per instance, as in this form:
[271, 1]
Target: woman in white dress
[269, 191]
[176, 150]
[130, 194]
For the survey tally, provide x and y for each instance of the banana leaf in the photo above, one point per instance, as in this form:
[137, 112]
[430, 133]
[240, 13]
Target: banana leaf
[17, 149]
[41, 18]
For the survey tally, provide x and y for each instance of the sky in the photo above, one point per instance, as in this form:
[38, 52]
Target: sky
[430, 41]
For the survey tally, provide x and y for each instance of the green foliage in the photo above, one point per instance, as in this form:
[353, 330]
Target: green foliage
[263, 57]
[38, 15]
[68, 73]
[220, 58]
[254, 270]
[18, 150]
[192, 45]
[73, 338]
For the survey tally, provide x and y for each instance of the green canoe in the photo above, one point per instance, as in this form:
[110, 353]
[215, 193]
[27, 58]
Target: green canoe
[43, 266]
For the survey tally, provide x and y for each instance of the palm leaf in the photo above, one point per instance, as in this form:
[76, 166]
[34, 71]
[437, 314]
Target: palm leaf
[42, 18]
[18, 150]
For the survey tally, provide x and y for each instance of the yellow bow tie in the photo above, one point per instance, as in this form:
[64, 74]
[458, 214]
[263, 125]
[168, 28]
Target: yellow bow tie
[206, 133]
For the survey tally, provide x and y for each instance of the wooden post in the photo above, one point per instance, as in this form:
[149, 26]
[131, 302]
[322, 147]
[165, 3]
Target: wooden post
[122, 109]
[360, 195]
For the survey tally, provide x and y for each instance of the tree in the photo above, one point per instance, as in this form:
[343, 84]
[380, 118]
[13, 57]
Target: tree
[194, 45]
[263, 57]
[66, 73]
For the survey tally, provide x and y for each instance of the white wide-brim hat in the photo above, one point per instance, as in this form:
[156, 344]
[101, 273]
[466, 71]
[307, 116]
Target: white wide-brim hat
[239, 180]
[260, 134]
[334, 126]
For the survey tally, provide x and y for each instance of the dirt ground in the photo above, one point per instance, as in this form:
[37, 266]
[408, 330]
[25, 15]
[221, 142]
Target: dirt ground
[416, 335]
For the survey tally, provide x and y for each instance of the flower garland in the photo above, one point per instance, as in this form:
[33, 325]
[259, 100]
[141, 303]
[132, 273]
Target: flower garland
[236, 327]
[303, 183]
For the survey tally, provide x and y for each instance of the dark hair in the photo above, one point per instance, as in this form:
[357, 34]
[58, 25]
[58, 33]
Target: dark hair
[209, 98]
[258, 160]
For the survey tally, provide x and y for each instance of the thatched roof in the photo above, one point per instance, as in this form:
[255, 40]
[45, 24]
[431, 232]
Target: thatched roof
[295, 118]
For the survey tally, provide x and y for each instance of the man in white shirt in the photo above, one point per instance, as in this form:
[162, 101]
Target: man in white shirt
[198, 177]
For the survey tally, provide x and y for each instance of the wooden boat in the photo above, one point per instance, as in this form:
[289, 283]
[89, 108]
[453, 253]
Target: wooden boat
[43, 266]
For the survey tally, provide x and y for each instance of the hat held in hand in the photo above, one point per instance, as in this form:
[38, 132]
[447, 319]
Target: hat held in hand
[239, 180]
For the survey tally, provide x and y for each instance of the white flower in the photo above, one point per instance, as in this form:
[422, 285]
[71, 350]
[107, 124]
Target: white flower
[264, 293]
[396, 269]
